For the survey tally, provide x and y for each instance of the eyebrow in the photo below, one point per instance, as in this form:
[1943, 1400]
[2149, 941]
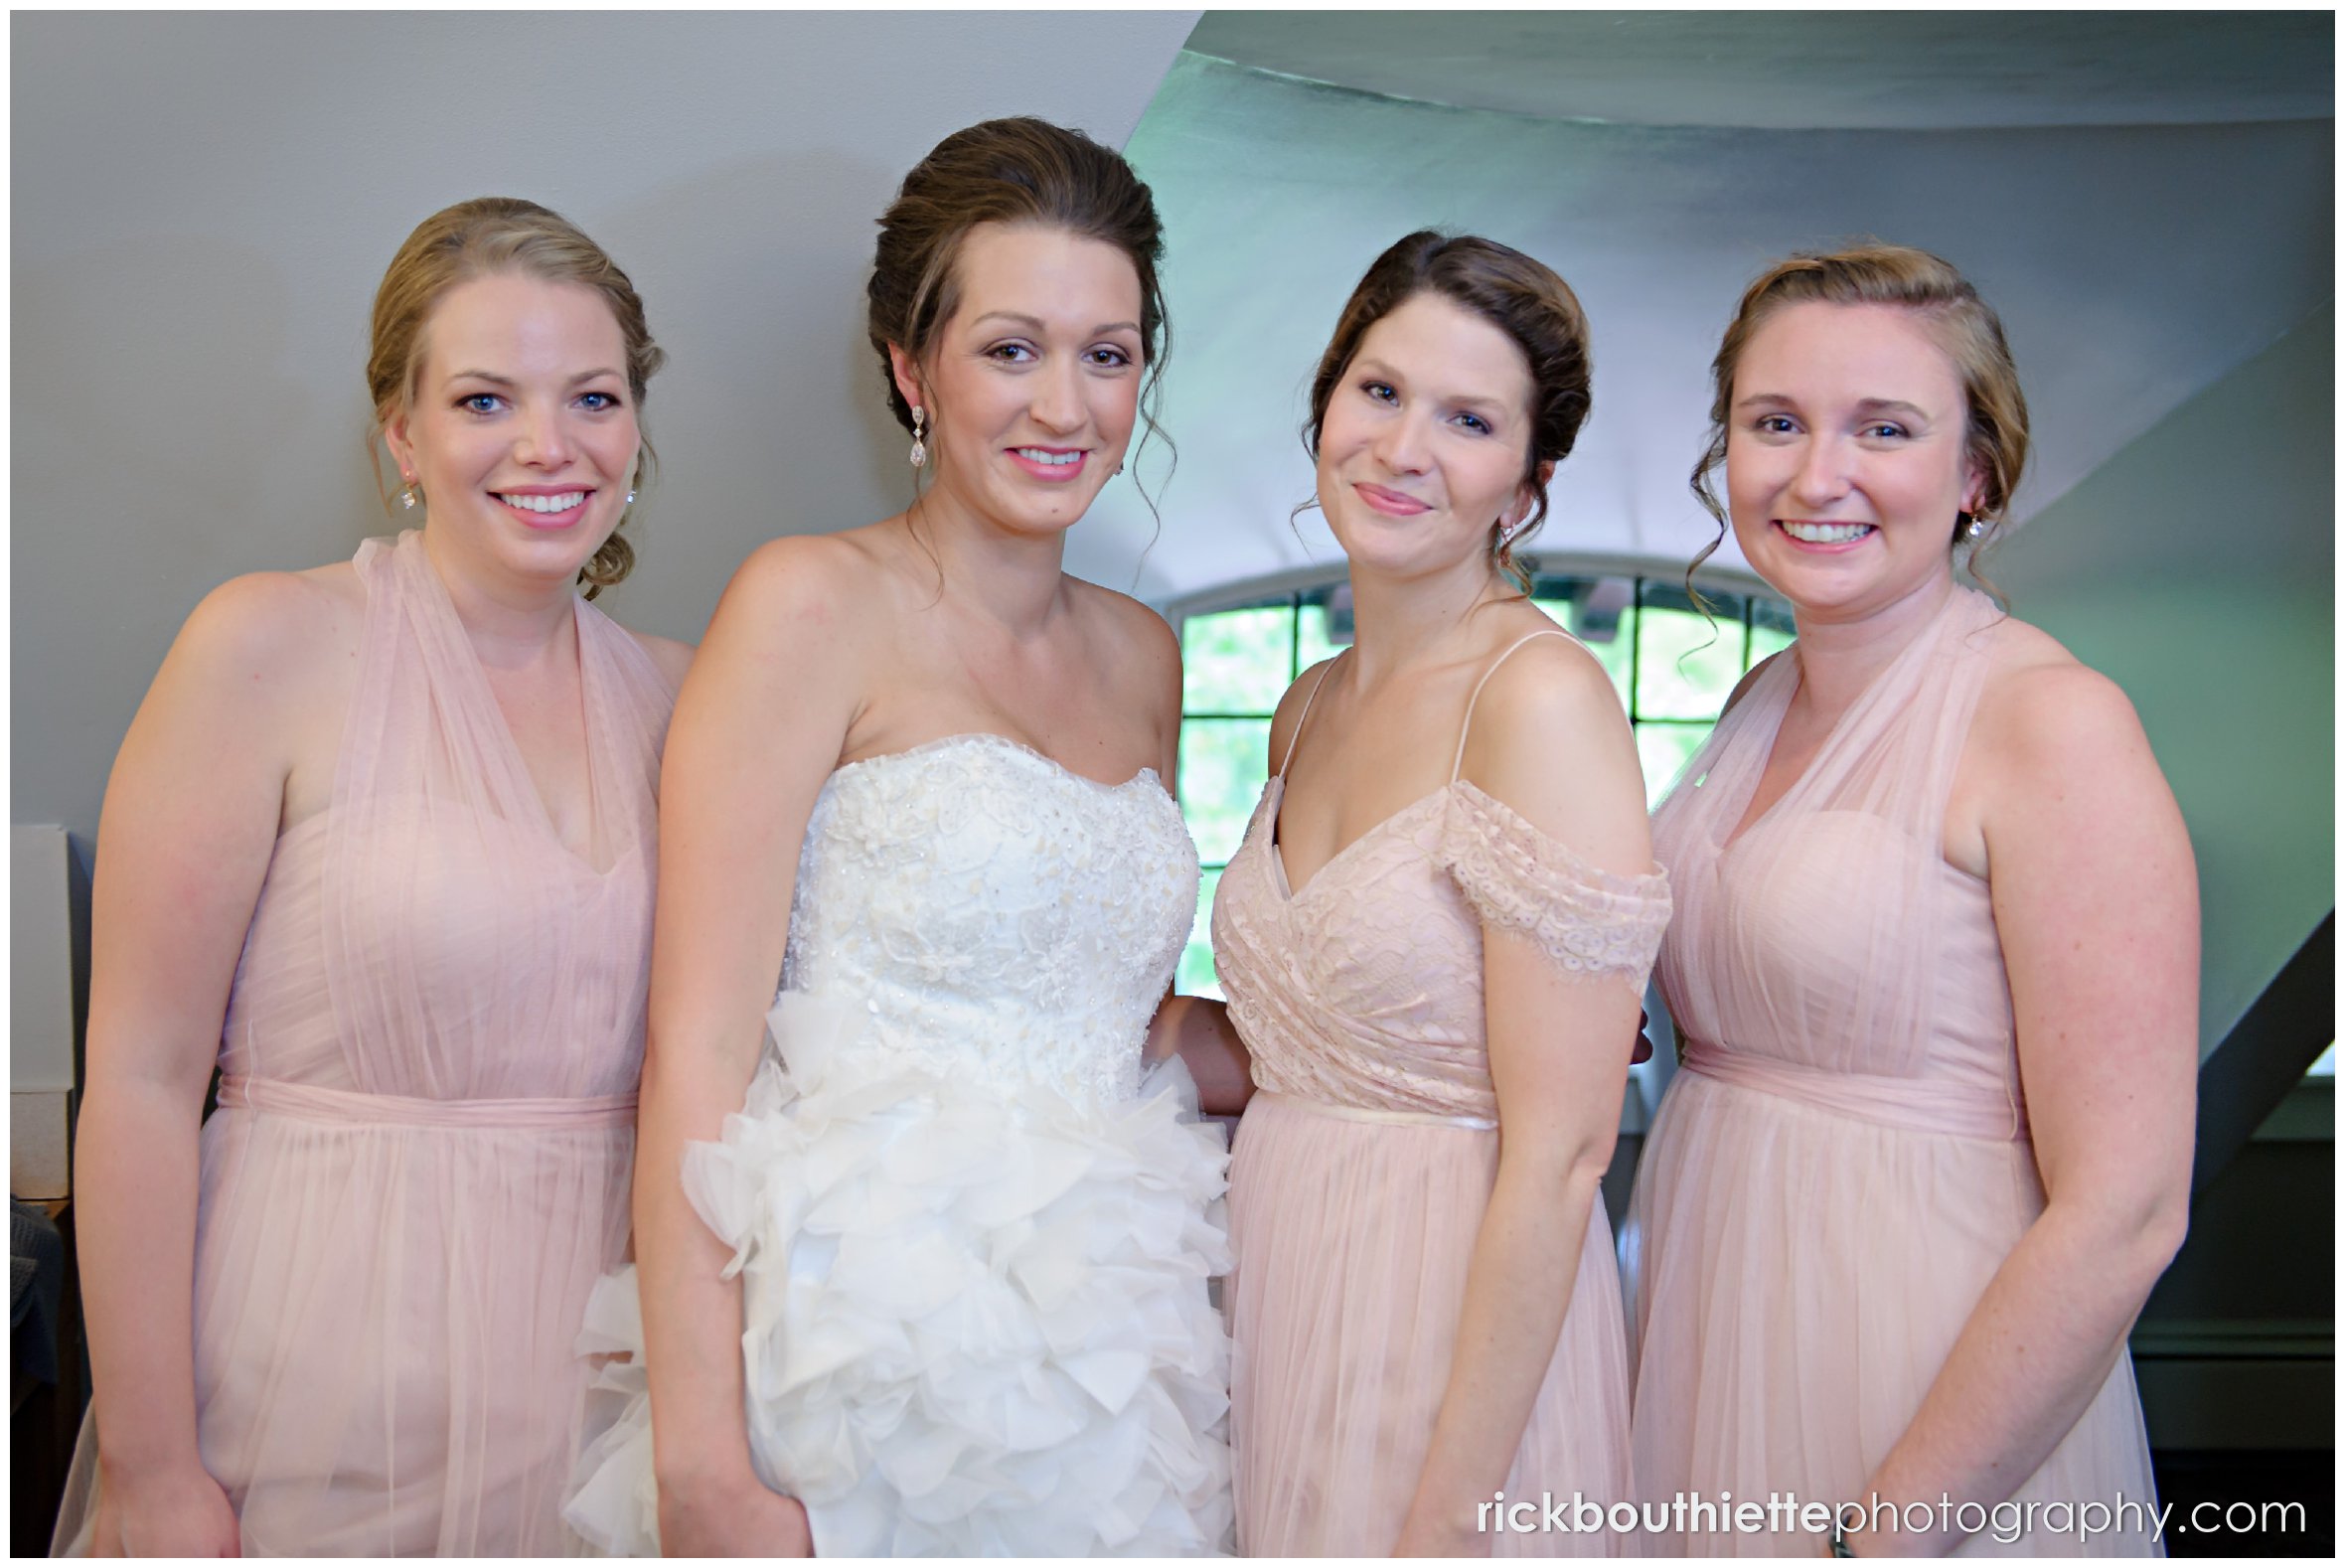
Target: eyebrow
[1477, 401]
[1863, 404]
[1036, 323]
[494, 380]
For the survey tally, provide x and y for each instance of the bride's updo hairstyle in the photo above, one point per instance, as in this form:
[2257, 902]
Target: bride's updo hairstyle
[1965, 326]
[493, 236]
[1011, 171]
[1521, 297]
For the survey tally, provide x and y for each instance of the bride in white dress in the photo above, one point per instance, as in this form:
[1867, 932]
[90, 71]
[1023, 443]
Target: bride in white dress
[938, 1283]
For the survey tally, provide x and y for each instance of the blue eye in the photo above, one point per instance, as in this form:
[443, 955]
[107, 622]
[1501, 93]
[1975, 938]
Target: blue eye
[1474, 422]
[1379, 391]
[1773, 423]
[479, 402]
[1883, 429]
[598, 401]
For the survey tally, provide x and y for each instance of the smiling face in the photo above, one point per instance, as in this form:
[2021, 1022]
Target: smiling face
[1032, 387]
[519, 428]
[1422, 449]
[1846, 456]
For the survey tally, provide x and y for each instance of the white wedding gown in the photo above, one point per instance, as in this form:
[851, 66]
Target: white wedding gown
[974, 1239]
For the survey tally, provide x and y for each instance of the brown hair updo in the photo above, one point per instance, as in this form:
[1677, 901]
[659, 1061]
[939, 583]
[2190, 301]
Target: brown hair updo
[1965, 326]
[1010, 171]
[486, 237]
[1521, 297]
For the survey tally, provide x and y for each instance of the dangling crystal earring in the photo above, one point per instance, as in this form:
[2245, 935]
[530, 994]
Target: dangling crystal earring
[919, 452]
[1974, 528]
[412, 493]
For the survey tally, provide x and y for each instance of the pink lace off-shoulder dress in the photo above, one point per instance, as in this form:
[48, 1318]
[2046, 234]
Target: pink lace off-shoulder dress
[419, 1165]
[1843, 1162]
[1368, 1155]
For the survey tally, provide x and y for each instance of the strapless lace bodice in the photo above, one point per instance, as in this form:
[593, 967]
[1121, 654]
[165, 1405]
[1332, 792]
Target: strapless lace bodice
[1001, 921]
[973, 1240]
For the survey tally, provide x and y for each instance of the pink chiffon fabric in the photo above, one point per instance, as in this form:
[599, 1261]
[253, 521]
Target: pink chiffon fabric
[1367, 1156]
[419, 1165]
[1843, 1162]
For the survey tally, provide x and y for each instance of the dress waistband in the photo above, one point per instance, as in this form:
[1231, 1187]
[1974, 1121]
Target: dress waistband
[1374, 1114]
[357, 1108]
[1913, 1104]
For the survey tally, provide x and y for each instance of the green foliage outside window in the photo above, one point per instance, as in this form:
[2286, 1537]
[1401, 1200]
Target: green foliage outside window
[1672, 665]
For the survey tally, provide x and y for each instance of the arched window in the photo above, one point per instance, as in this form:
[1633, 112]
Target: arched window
[1672, 665]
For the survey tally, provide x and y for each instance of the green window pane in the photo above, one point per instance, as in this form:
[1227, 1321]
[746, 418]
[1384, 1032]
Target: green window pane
[1235, 660]
[1196, 977]
[1772, 629]
[1224, 762]
[1663, 751]
[1686, 664]
[1319, 634]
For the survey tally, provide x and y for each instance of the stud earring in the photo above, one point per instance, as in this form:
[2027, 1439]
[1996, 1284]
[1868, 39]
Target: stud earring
[1974, 528]
[919, 453]
[631, 495]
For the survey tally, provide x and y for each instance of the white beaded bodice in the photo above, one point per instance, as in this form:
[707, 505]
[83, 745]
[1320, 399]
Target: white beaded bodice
[1003, 921]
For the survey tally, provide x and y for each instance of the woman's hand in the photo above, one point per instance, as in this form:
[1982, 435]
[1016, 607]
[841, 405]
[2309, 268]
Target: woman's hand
[179, 1513]
[744, 1519]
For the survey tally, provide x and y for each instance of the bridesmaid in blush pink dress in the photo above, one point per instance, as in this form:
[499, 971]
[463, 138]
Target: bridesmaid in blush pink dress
[1932, 968]
[1425, 1308]
[380, 844]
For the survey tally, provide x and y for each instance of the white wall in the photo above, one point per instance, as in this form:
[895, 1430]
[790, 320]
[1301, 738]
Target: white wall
[204, 205]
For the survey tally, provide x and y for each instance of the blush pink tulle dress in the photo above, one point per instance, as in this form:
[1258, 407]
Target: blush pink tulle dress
[1843, 1162]
[419, 1165]
[1368, 1155]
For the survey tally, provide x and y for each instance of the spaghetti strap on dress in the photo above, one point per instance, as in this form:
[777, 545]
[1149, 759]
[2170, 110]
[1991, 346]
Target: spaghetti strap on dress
[1369, 1151]
[421, 1161]
[1843, 1161]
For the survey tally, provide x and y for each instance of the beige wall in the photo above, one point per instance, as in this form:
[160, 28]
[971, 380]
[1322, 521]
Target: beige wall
[203, 206]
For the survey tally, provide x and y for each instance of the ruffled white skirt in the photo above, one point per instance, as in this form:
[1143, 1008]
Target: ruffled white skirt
[976, 1319]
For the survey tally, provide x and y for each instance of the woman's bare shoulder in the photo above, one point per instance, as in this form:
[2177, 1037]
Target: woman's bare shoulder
[2043, 708]
[275, 628]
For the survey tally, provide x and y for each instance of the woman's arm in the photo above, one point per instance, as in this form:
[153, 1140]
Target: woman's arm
[1197, 1030]
[2096, 904]
[189, 822]
[1549, 740]
[1194, 1028]
[758, 727]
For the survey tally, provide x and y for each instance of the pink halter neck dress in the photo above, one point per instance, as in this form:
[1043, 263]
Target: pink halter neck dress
[421, 1161]
[1843, 1160]
[1368, 1153]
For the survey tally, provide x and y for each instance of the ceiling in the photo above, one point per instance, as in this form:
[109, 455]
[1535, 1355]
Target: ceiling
[2117, 186]
[1811, 70]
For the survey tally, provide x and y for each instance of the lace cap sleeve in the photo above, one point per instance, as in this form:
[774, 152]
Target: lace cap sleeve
[1587, 920]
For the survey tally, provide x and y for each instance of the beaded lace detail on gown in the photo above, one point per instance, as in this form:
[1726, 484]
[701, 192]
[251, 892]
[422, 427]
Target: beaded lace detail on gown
[1364, 1163]
[973, 1236]
[1843, 1162]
